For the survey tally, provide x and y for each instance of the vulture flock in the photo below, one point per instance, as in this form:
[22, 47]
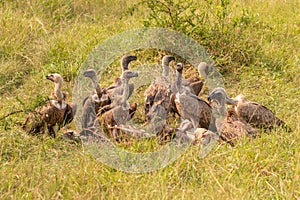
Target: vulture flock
[220, 117]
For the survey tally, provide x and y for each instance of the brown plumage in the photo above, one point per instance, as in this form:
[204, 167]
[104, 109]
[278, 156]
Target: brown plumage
[256, 114]
[232, 116]
[190, 106]
[196, 84]
[158, 94]
[132, 109]
[117, 88]
[211, 75]
[193, 108]
[226, 123]
[119, 112]
[192, 84]
[89, 114]
[233, 131]
[100, 92]
[55, 113]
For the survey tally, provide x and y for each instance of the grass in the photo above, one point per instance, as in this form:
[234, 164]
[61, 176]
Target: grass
[39, 37]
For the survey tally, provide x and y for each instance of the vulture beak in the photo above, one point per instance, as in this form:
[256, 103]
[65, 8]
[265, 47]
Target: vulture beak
[171, 58]
[89, 73]
[50, 77]
[135, 74]
[85, 74]
[133, 58]
[209, 99]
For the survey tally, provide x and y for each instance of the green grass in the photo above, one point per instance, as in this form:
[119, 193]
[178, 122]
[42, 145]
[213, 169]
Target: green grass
[258, 56]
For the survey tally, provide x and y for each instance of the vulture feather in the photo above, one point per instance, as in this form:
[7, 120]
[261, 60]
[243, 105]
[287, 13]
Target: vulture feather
[99, 95]
[256, 114]
[226, 123]
[120, 111]
[157, 101]
[56, 112]
[190, 106]
[117, 87]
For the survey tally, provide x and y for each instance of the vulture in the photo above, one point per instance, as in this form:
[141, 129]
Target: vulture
[228, 127]
[116, 88]
[204, 70]
[254, 113]
[196, 84]
[190, 106]
[120, 111]
[89, 113]
[56, 112]
[157, 101]
[211, 76]
[184, 132]
[98, 94]
[193, 84]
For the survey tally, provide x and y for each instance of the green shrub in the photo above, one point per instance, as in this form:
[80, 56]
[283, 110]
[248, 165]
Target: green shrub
[228, 36]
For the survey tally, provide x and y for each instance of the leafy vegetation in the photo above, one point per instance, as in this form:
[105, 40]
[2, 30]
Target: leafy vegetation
[255, 45]
[231, 31]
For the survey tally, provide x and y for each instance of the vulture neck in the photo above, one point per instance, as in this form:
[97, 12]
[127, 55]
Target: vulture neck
[179, 81]
[165, 70]
[57, 91]
[203, 71]
[96, 86]
[219, 116]
[230, 101]
[125, 91]
[124, 66]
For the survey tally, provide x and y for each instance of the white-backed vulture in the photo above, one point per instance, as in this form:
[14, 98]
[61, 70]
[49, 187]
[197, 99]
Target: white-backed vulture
[157, 101]
[89, 114]
[256, 114]
[193, 84]
[211, 76]
[228, 126]
[55, 113]
[253, 113]
[190, 106]
[102, 98]
[119, 112]
[116, 88]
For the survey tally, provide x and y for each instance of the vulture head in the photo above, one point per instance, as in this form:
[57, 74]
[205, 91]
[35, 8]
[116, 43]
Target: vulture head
[203, 69]
[165, 63]
[179, 67]
[218, 99]
[56, 78]
[167, 59]
[217, 94]
[91, 73]
[220, 94]
[126, 60]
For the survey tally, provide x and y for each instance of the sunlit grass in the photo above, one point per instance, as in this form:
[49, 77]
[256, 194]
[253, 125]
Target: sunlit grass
[41, 37]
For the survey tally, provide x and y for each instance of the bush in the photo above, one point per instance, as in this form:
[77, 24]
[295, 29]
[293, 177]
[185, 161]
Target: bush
[227, 36]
